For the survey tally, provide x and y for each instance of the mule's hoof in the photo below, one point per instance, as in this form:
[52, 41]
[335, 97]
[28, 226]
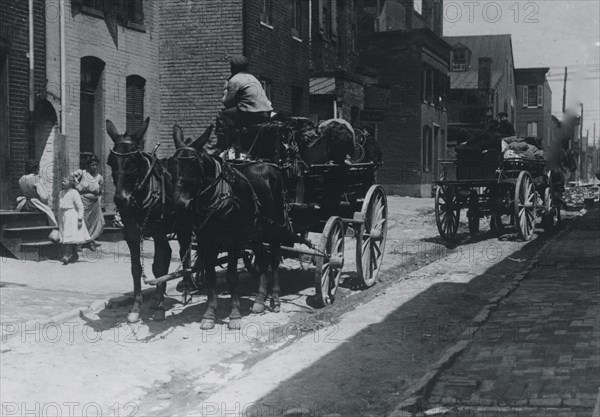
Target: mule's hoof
[235, 324]
[207, 324]
[159, 314]
[276, 308]
[258, 308]
[133, 317]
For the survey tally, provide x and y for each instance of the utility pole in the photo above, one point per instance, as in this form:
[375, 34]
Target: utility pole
[564, 91]
[581, 157]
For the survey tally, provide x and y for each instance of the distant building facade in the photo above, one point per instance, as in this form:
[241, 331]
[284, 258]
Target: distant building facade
[534, 98]
[482, 84]
[402, 40]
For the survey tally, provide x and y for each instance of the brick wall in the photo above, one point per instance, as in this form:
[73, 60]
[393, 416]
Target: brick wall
[196, 40]
[330, 55]
[136, 54]
[14, 17]
[275, 54]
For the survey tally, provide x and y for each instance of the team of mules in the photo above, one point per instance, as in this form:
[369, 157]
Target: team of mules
[229, 207]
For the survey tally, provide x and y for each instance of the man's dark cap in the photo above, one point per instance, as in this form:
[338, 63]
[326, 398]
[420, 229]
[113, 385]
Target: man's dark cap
[503, 114]
[239, 61]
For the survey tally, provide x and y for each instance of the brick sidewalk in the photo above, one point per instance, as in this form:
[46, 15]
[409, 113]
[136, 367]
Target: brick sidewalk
[538, 354]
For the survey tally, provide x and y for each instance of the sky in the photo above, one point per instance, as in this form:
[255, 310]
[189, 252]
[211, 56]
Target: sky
[546, 33]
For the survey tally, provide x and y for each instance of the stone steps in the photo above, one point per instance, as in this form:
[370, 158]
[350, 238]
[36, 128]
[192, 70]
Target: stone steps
[24, 235]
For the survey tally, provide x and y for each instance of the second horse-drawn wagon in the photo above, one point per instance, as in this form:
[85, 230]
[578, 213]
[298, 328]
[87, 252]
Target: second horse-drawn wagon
[507, 187]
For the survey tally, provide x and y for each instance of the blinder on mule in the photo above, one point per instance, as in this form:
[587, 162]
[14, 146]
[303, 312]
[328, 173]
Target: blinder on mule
[183, 169]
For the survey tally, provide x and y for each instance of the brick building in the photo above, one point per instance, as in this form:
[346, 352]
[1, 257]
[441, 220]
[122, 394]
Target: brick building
[102, 64]
[22, 86]
[534, 100]
[403, 40]
[197, 39]
[482, 84]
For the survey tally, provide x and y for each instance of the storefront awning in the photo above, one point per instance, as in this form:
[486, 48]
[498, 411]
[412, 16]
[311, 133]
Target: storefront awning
[322, 85]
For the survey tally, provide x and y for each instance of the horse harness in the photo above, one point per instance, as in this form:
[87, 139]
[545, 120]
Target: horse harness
[156, 192]
[220, 191]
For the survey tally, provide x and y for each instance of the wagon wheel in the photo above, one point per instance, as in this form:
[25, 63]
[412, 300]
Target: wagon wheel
[371, 238]
[447, 212]
[551, 217]
[329, 267]
[525, 206]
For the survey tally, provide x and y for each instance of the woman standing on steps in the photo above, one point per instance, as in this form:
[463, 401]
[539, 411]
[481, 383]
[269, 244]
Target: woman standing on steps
[72, 230]
[90, 188]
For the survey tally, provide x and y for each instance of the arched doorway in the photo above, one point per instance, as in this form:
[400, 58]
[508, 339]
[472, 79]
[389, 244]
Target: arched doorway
[91, 113]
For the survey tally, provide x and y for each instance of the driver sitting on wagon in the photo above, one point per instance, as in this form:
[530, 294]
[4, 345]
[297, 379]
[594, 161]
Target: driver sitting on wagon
[245, 102]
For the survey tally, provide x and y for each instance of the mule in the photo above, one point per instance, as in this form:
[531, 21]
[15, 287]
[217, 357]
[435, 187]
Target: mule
[143, 196]
[231, 209]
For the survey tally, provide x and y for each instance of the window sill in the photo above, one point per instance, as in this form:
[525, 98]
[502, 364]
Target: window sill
[266, 25]
[92, 12]
[136, 26]
[297, 39]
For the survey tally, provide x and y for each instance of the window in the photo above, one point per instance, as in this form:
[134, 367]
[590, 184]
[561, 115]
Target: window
[297, 16]
[532, 129]
[459, 59]
[297, 100]
[266, 12]
[135, 102]
[132, 11]
[418, 5]
[328, 19]
[267, 87]
[533, 96]
[127, 11]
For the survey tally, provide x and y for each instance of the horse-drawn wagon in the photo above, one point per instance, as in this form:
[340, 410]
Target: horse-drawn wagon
[518, 188]
[268, 203]
[336, 199]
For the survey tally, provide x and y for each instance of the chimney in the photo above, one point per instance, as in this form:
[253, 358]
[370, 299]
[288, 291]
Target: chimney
[484, 73]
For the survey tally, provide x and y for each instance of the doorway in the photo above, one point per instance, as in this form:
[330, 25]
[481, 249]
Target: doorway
[91, 113]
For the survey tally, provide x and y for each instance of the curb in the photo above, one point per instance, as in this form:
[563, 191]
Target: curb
[95, 307]
[417, 395]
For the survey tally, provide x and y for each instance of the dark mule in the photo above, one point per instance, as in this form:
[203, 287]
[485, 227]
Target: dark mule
[143, 196]
[230, 209]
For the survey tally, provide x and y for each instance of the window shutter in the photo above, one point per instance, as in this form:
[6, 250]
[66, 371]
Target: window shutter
[321, 18]
[525, 95]
[334, 19]
[135, 103]
[540, 96]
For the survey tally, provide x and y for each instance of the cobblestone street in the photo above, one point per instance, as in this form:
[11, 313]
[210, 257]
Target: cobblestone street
[540, 355]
